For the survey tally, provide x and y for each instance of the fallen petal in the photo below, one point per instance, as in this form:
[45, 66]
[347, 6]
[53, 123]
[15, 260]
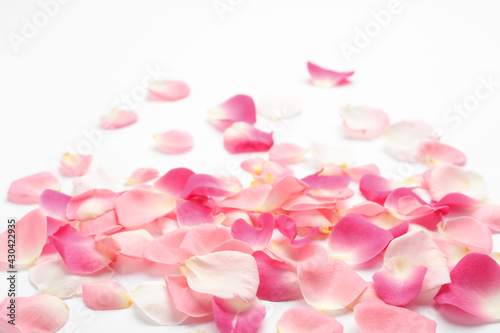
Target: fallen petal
[242, 137]
[322, 77]
[287, 153]
[238, 316]
[141, 175]
[174, 142]
[27, 190]
[187, 300]
[364, 123]
[105, 295]
[300, 319]
[239, 108]
[116, 119]
[75, 165]
[168, 91]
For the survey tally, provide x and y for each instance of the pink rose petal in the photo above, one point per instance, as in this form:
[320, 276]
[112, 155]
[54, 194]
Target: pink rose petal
[174, 142]
[133, 243]
[75, 165]
[439, 153]
[90, 204]
[364, 123]
[300, 319]
[287, 153]
[242, 137]
[138, 207]
[470, 232]
[173, 182]
[489, 215]
[255, 237]
[187, 300]
[376, 317]
[329, 284]
[322, 77]
[196, 211]
[27, 190]
[141, 175]
[168, 91]
[447, 179]
[117, 119]
[54, 203]
[239, 108]
[105, 295]
[404, 139]
[238, 316]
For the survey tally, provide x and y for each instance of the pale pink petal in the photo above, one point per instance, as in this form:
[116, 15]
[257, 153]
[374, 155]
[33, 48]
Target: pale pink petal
[90, 204]
[293, 256]
[102, 225]
[265, 172]
[404, 139]
[173, 182]
[224, 274]
[247, 199]
[239, 108]
[277, 107]
[454, 251]
[133, 243]
[242, 137]
[166, 249]
[358, 172]
[255, 237]
[329, 284]
[97, 179]
[234, 245]
[237, 315]
[404, 204]
[75, 165]
[300, 319]
[105, 295]
[168, 91]
[489, 215]
[281, 191]
[54, 203]
[27, 190]
[116, 119]
[278, 281]
[446, 179]
[375, 188]
[322, 77]
[469, 232]
[206, 185]
[368, 208]
[187, 300]
[39, 313]
[137, 207]
[195, 211]
[356, 240]
[331, 154]
[27, 239]
[419, 248]
[80, 254]
[6, 327]
[204, 239]
[50, 276]
[153, 300]
[174, 142]
[474, 287]
[311, 219]
[141, 175]
[369, 295]
[399, 281]
[364, 123]
[318, 181]
[376, 317]
[287, 153]
[439, 153]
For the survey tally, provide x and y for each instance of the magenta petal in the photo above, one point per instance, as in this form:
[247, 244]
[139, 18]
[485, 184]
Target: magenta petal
[173, 182]
[54, 204]
[300, 319]
[27, 190]
[195, 211]
[80, 254]
[356, 240]
[187, 300]
[377, 317]
[474, 286]
[117, 119]
[326, 78]
[255, 237]
[375, 188]
[278, 281]
[168, 91]
[237, 316]
[205, 185]
[239, 108]
[242, 137]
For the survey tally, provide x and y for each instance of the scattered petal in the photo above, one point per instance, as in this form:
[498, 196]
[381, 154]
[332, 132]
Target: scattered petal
[105, 295]
[54, 203]
[141, 175]
[287, 153]
[300, 319]
[186, 300]
[439, 153]
[238, 316]
[239, 108]
[173, 182]
[255, 237]
[90, 204]
[447, 179]
[242, 137]
[330, 154]
[27, 190]
[174, 142]
[364, 123]
[489, 215]
[405, 137]
[322, 77]
[168, 91]
[116, 119]
[469, 232]
[75, 165]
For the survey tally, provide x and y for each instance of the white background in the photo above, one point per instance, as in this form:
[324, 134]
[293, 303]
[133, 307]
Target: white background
[73, 69]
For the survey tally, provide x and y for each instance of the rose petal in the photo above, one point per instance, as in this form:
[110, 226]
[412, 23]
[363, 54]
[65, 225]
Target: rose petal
[364, 123]
[239, 108]
[404, 139]
[105, 295]
[133, 243]
[248, 199]
[173, 182]
[166, 249]
[439, 153]
[399, 281]
[300, 319]
[90, 204]
[322, 77]
[238, 316]
[187, 300]
[100, 226]
[330, 154]
[27, 241]
[242, 137]
[224, 274]
[75, 165]
[27, 190]
[376, 317]
[205, 185]
[54, 203]
[277, 107]
[153, 300]
[329, 284]
[50, 276]
[281, 191]
[469, 232]
[116, 119]
[287, 153]
[446, 179]
[255, 237]
[39, 313]
[474, 287]
[141, 175]
[98, 179]
[356, 240]
[489, 215]
[375, 188]
[196, 211]
[138, 207]
[174, 142]
[168, 91]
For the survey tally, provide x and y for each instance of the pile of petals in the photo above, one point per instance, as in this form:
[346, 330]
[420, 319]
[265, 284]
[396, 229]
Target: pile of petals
[225, 248]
